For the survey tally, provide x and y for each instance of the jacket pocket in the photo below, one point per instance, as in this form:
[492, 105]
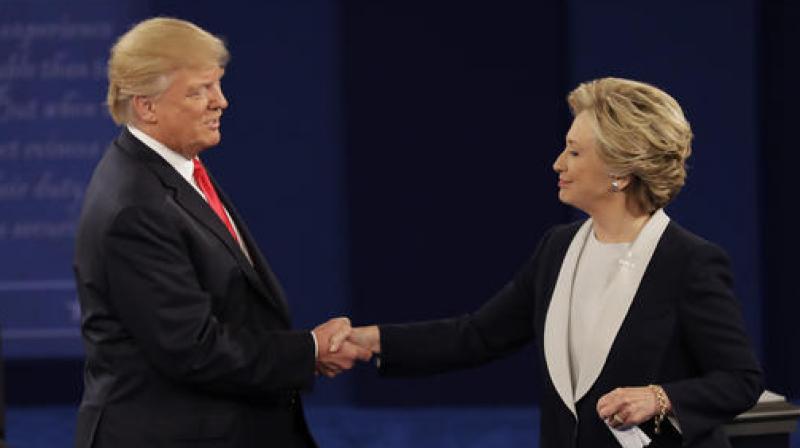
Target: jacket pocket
[196, 428]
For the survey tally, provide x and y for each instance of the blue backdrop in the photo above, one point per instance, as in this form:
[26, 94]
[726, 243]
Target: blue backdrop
[394, 158]
[52, 130]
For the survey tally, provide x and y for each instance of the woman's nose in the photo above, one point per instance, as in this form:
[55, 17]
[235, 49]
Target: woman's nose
[558, 166]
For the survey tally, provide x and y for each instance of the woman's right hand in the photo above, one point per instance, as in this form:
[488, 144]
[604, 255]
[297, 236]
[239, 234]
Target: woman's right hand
[368, 337]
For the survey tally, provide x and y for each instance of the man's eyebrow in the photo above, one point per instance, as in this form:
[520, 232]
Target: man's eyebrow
[200, 83]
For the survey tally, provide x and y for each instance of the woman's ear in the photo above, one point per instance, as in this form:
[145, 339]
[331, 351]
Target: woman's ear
[624, 181]
[619, 183]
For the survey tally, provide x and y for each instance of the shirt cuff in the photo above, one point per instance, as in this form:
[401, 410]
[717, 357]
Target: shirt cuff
[316, 346]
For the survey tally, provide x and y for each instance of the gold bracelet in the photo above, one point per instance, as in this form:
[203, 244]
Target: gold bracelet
[661, 398]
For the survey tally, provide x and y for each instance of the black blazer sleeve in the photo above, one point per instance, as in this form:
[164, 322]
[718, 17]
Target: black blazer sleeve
[502, 325]
[155, 291]
[713, 329]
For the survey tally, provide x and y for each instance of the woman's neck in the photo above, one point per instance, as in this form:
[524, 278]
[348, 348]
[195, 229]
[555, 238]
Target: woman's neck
[619, 224]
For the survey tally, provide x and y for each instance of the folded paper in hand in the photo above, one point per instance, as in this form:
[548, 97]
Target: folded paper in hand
[631, 437]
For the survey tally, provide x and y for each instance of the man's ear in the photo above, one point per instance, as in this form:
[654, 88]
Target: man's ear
[145, 108]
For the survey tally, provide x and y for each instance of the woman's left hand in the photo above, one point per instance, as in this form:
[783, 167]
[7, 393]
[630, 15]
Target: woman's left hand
[627, 406]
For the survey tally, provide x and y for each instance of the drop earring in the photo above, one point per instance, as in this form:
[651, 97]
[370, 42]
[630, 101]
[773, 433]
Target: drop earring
[615, 186]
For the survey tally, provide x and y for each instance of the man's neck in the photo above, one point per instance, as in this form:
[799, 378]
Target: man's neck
[151, 133]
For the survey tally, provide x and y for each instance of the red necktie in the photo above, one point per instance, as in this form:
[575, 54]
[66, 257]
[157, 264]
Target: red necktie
[201, 177]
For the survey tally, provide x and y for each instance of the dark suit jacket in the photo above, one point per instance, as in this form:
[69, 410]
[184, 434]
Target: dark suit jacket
[684, 330]
[187, 343]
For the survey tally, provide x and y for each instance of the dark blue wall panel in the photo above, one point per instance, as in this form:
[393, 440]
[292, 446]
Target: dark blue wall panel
[703, 53]
[455, 112]
[780, 71]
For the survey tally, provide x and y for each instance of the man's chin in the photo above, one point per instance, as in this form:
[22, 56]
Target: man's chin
[212, 140]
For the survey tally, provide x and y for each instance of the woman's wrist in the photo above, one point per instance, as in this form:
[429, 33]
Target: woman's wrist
[663, 405]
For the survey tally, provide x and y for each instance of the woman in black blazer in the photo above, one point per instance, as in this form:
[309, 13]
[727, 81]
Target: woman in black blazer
[636, 324]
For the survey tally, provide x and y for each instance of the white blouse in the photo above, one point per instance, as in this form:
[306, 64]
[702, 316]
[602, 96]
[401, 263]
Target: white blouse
[597, 265]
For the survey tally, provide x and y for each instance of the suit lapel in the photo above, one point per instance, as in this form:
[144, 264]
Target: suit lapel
[556, 326]
[195, 205]
[191, 201]
[618, 298]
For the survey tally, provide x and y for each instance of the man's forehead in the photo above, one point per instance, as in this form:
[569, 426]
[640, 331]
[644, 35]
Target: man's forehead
[195, 74]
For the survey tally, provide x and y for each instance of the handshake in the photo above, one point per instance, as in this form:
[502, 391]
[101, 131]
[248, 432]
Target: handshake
[339, 345]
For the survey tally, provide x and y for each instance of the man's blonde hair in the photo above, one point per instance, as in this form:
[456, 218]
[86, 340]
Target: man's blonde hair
[641, 131]
[143, 58]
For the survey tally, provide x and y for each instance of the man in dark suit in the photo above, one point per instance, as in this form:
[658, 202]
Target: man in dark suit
[187, 332]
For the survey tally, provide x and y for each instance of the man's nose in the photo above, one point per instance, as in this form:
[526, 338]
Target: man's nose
[218, 99]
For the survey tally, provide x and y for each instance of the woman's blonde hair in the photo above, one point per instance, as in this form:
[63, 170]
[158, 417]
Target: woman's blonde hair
[143, 58]
[641, 131]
